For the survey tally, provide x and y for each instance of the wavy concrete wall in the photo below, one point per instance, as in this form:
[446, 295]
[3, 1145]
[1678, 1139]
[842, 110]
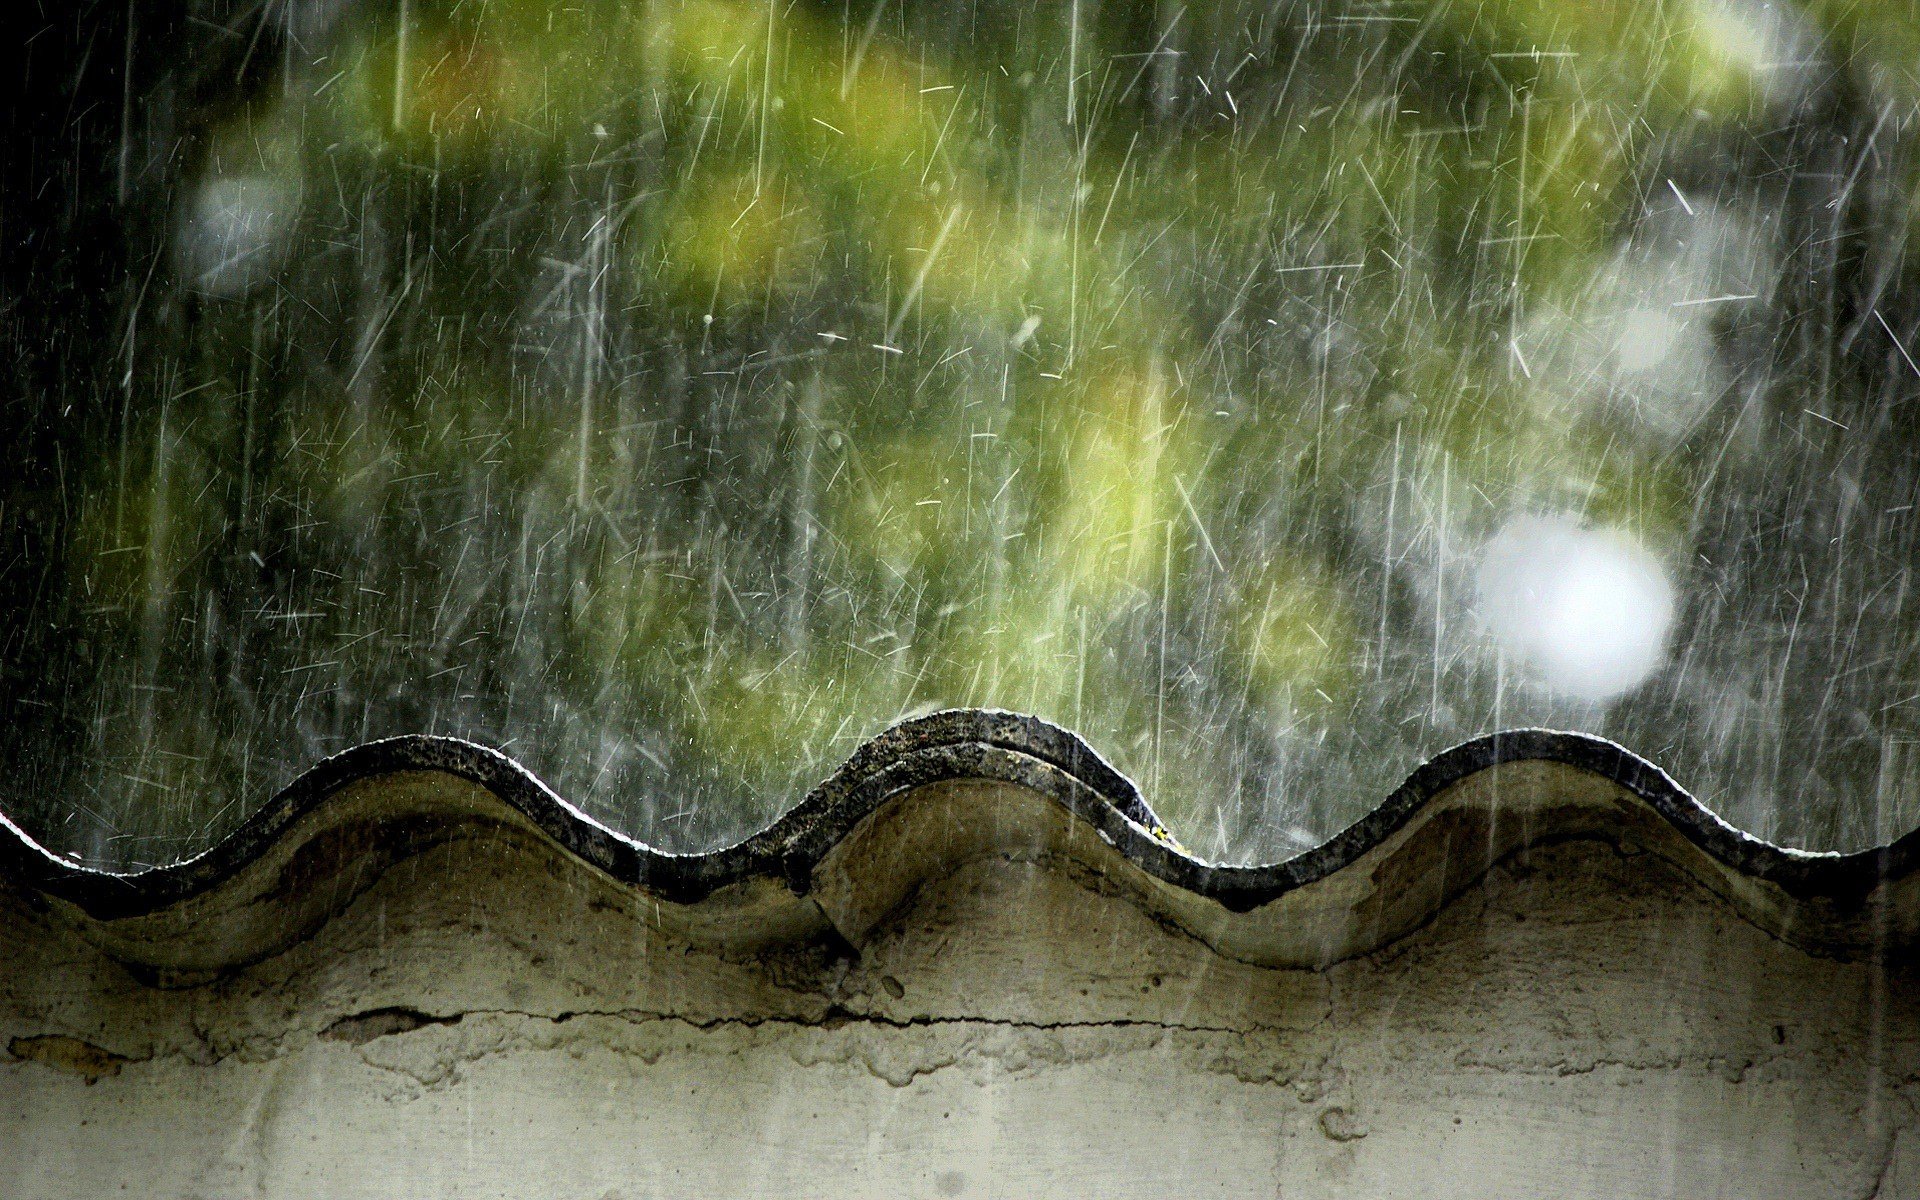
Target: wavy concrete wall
[970, 964]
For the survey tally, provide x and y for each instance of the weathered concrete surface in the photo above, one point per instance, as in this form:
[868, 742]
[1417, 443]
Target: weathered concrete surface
[1535, 984]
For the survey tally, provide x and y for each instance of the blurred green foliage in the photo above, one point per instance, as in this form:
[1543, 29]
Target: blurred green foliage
[679, 391]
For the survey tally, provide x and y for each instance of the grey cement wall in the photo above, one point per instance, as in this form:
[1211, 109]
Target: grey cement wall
[1536, 982]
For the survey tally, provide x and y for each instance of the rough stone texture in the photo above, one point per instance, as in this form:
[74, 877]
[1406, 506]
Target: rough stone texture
[1534, 981]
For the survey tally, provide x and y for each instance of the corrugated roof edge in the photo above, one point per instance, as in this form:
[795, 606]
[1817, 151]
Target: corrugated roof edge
[960, 744]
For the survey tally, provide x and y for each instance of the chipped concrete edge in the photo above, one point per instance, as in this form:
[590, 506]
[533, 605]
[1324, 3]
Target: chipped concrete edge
[959, 744]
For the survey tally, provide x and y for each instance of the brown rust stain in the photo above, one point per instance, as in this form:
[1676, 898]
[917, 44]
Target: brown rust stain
[69, 1054]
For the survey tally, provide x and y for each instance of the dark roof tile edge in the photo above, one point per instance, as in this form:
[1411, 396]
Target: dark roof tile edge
[957, 744]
